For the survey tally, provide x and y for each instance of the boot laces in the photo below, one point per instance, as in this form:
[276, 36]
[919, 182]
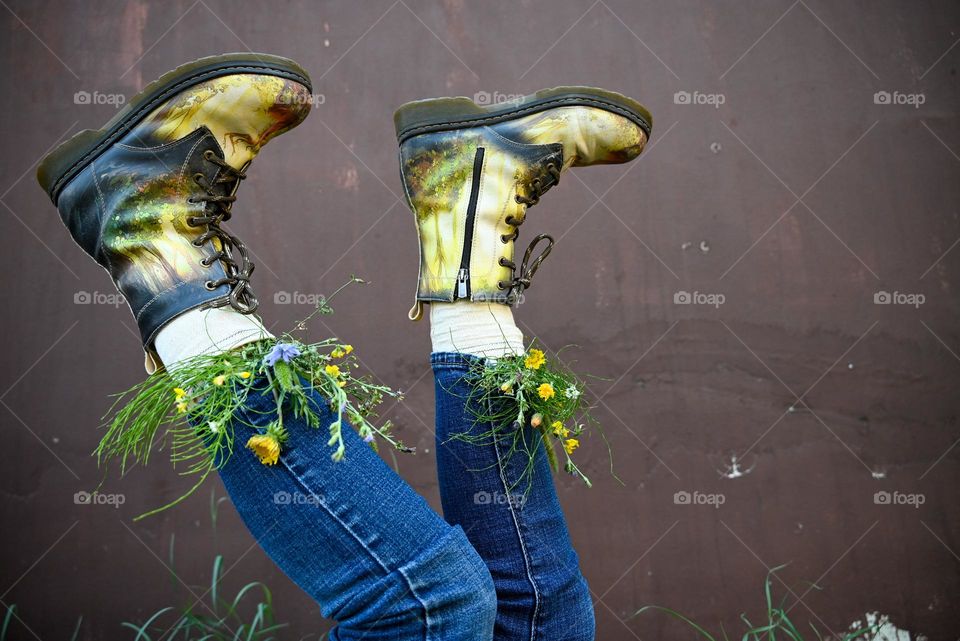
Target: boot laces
[521, 277]
[231, 251]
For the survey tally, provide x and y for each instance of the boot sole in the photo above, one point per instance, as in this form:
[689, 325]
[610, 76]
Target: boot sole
[74, 155]
[445, 114]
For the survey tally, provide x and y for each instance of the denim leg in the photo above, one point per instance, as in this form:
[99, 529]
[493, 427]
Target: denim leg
[357, 538]
[520, 533]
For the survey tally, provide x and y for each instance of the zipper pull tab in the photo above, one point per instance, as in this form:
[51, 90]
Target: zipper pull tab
[462, 277]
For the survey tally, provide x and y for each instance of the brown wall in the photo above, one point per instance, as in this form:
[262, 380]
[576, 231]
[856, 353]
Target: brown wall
[711, 207]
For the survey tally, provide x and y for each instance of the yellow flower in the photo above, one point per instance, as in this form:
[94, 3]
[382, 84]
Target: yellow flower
[332, 370]
[244, 374]
[506, 388]
[266, 447]
[534, 359]
[219, 380]
[559, 429]
[546, 391]
[570, 445]
[341, 351]
[341, 383]
[179, 392]
[181, 408]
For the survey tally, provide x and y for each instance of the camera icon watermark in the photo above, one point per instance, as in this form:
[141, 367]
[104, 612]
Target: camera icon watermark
[898, 98]
[699, 98]
[96, 98]
[511, 299]
[97, 498]
[485, 98]
[296, 498]
[914, 300]
[899, 498]
[114, 299]
[714, 300]
[302, 98]
[684, 497]
[297, 298]
[500, 498]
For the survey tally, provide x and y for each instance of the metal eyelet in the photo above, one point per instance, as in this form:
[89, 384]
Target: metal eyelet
[500, 285]
[210, 285]
[197, 177]
[517, 200]
[208, 154]
[205, 262]
[504, 239]
[196, 244]
[503, 262]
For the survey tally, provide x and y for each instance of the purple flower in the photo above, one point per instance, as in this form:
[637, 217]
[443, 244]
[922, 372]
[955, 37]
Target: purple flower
[368, 438]
[285, 352]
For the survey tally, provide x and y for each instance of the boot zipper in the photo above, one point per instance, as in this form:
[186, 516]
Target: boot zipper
[463, 275]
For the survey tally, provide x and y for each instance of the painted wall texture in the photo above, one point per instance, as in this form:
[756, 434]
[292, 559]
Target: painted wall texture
[769, 295]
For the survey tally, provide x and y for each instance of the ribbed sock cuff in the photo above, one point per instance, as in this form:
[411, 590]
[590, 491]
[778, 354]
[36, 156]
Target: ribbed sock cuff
[481, 329]
[206, 331]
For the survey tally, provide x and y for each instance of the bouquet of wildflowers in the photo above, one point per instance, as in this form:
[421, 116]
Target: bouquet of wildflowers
[522, 390]
[194, 409]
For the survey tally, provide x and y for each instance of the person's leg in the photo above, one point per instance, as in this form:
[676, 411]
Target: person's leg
[145, 196]
[358, 539]
[519, 530]
[510, 511]
[470, 173]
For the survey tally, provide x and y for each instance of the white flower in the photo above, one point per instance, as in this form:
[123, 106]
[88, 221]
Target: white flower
[214, 426]
[571, 392]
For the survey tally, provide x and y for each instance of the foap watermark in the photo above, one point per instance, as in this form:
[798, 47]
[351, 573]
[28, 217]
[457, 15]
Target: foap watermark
[296, 498]
[699, 498]
[898, 298]
[899, 498]
[699, 98]
[496, 98]
[511, 299]
[698, 298]
[96, 98]
[114, 299]
[300, 98]
[696, 497]
[899, 98]
[98, 498]
[297, 298]
[499, 498]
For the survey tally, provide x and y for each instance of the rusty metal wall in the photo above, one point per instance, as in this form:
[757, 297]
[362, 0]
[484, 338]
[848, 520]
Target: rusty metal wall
[804, 161]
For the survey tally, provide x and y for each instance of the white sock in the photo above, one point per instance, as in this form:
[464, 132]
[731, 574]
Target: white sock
[206, 331]
[480, 329]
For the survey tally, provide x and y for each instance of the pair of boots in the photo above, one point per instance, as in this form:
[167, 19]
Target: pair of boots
[147, 195]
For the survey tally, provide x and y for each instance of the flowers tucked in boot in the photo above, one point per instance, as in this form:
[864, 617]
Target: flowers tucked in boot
[146, 197]
[470, 174]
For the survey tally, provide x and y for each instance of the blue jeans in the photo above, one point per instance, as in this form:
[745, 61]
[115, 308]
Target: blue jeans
[383, 564]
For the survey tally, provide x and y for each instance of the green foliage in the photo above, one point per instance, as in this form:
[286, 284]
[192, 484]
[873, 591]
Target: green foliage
[247, 615]
[776, 625]
[193, 409]
[516, 391]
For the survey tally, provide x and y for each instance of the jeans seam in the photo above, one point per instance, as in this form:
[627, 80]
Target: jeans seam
[320, 501]
[523, 546]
